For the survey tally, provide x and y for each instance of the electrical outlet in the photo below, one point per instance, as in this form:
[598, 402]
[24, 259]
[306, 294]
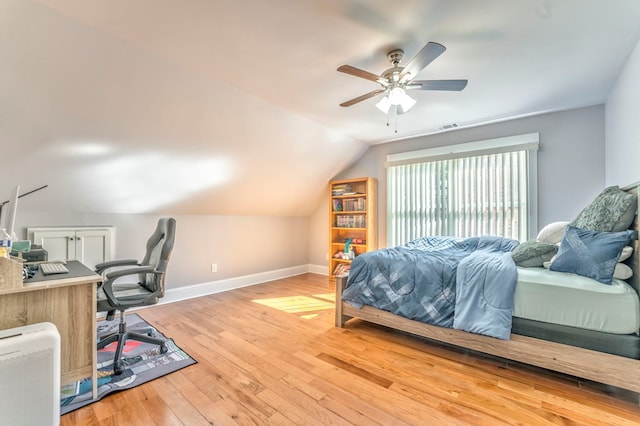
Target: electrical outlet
[214, 267]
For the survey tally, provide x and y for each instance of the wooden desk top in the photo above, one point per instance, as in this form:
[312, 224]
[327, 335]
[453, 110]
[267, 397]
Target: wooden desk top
[78, 274]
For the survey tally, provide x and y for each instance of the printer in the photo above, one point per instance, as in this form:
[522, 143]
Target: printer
[35, 253]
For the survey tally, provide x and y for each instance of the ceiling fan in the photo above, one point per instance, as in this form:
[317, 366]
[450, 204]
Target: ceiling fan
[397, 80]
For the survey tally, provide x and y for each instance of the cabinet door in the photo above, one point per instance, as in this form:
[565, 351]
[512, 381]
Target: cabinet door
[93, 247]
[60, 245]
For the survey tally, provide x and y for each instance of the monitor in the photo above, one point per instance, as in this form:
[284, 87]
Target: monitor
[10, 216]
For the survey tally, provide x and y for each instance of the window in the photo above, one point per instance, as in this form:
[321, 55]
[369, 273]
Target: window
[479, 188]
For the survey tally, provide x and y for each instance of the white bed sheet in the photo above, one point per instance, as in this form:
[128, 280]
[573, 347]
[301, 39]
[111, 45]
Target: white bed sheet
[576, 301]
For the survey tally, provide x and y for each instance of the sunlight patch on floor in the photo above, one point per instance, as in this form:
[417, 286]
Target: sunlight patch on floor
[297, 304]
[308, 317]
[331, 297]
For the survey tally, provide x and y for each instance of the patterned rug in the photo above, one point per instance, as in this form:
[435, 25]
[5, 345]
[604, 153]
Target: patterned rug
[143, 362]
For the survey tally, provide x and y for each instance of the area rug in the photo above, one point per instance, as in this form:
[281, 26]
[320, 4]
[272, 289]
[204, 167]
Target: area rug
[143, 362]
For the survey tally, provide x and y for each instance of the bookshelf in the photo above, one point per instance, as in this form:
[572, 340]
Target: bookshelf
[352, 216]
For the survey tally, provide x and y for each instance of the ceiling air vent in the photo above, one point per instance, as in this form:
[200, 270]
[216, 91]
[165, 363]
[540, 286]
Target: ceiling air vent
[448, 126]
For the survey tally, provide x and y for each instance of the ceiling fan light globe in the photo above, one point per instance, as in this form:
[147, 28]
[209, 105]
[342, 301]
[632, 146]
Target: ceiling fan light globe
[396, 95]
[407, 103]
[384, 104]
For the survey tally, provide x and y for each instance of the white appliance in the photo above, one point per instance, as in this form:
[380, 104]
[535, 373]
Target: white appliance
[30, 375]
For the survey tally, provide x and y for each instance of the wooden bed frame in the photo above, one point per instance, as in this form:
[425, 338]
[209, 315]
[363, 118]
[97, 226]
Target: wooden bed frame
[588, 364]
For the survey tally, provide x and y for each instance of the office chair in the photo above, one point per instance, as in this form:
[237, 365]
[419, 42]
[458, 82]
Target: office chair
[119, 296]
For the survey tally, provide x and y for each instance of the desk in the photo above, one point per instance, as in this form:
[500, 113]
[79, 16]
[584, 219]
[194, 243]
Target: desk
[69, 302]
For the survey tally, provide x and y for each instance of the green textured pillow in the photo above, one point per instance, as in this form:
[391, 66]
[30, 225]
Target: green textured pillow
[612, 211]
[532, 254]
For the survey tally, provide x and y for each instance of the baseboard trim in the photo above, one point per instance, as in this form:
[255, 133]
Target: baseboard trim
[212, 287]
[319, 269]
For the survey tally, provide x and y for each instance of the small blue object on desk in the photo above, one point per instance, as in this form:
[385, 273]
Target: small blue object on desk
[22, 246]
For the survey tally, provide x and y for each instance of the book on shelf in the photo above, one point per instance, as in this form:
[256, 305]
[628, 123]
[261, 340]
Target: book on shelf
[354, 204]
[341, 268]
[340, 189]
[337, 205]
[351, 221]
[343, 186]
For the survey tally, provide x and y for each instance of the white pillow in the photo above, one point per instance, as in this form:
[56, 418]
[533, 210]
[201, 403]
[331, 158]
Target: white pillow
[622, 272]
[626, 253]
[552, 233]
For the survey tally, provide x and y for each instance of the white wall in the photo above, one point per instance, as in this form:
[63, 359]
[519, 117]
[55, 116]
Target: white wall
[571, 173]
[239, 245]
[570, 165]
[622, 125]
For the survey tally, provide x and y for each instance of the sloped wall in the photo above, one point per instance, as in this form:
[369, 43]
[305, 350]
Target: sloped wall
[621, 124]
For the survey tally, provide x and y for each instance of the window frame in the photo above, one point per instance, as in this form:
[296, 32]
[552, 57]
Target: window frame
[523, 142]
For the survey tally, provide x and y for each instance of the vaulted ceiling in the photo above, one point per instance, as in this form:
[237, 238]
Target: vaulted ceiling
[232, 107]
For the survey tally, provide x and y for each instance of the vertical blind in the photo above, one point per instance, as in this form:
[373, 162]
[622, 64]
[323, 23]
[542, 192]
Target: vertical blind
[473, 195]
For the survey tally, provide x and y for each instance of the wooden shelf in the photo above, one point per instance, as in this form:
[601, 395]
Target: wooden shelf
[361, 211]
[349, 196]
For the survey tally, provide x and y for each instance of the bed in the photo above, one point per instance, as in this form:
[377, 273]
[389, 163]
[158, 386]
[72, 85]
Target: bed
[601, 345]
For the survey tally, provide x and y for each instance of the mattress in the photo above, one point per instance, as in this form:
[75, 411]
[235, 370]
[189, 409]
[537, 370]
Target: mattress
[576, 301]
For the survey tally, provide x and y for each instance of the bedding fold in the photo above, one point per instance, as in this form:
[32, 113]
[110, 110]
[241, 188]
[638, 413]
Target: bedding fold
[486, 284]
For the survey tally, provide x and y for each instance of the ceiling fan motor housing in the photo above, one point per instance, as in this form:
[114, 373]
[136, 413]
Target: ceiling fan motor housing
[392, 75]
[395, 56]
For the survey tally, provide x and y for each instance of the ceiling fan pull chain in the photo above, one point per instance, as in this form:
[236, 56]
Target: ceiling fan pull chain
[396, 119]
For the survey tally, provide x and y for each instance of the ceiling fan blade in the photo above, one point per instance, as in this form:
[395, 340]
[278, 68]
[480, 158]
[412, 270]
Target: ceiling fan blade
[357, 72]
[453, 85]
[362, 98]
[424, 57]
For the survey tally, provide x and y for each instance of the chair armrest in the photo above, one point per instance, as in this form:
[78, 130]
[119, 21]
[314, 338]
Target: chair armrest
[111, 276]
[101, 267]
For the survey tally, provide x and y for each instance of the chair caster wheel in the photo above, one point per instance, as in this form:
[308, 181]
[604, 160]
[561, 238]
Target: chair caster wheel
[118, 369]
[164, 349]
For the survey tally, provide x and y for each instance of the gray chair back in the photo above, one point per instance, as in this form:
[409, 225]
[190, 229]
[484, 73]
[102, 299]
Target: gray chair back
[159, 249]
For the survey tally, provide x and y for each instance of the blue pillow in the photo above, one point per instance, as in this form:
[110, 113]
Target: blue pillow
[590, 253]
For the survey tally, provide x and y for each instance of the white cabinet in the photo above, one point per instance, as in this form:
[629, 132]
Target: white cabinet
[89, 245]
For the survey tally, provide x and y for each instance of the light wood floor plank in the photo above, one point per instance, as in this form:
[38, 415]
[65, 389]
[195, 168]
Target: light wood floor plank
[269, 354]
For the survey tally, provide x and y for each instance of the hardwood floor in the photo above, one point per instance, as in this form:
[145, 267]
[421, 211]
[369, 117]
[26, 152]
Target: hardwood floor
[269, 354]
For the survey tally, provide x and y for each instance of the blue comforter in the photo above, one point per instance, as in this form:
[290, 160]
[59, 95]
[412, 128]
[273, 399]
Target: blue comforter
[462, 283]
